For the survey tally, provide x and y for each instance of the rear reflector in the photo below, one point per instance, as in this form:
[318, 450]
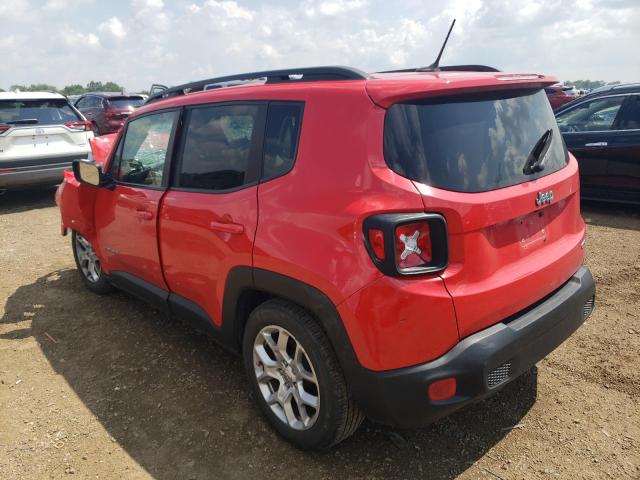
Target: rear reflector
[4, 128]
[7, 170]
[443, 389]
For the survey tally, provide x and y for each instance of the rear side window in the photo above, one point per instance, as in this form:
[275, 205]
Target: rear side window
[281, 138]
[217, 147]
[472, 143]
[54, 111]
[629, 118]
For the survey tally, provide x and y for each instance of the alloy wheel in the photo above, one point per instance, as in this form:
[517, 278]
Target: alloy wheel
[286, 377]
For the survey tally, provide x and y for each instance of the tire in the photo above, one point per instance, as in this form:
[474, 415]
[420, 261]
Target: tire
[288, 378]
[88, 265]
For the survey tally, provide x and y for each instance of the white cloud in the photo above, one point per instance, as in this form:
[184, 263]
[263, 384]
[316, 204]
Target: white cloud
[138, 42]
[79, 40]
[113, 28]
[329, 8]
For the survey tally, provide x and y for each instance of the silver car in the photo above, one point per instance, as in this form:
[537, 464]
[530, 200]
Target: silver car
[41, 133]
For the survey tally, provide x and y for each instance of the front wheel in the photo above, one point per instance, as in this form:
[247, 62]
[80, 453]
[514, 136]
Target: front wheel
[88, 265]
[296, 378]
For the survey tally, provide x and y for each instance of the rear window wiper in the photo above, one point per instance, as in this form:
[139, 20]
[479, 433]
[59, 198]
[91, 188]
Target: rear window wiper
[25, 121]
[535, 161]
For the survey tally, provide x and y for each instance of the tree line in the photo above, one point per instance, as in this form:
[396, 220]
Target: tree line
[74, 89]
[590, 84]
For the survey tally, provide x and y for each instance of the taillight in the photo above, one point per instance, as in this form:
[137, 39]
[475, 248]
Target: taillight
[413, 245]
[407, 243]
[4, 128]
[80, 126]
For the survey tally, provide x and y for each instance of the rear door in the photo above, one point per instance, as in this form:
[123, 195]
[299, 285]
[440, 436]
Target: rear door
[623, 166]
[588, 131]
[514, 232]
[209, 216]
[126, 225]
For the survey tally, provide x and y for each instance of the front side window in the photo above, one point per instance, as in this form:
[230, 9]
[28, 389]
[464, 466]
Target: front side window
[594, 116]
[217, 147]
[145, 147]
[281, 138]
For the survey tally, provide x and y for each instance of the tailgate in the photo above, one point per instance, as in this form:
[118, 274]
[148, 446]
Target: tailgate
[51, 140]
[494, 164]
[506, 253]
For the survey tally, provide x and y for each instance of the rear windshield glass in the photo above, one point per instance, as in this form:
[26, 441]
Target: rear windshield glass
[473, 143]
[37, 112]
[126, 102]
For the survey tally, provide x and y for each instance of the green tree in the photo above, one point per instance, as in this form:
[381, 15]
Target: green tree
[94, 86]
[35, 87]
[73, 89]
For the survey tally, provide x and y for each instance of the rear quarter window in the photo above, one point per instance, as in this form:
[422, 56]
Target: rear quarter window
[472, 143]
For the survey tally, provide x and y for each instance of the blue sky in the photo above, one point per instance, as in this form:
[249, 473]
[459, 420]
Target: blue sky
[139, 42]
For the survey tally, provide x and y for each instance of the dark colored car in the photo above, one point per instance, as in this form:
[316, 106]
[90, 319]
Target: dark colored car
[602, 130]
[560, 95]
[108, 111]
[390, 245]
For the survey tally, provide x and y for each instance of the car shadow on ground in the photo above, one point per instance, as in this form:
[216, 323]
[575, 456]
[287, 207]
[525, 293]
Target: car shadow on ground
[15, 201]
[612, 215]
[180, 406]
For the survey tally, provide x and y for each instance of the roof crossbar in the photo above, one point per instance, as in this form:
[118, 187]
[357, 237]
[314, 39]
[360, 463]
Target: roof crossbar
[309, 74]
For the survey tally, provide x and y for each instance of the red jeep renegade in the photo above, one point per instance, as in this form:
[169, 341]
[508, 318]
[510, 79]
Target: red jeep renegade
[392, 245]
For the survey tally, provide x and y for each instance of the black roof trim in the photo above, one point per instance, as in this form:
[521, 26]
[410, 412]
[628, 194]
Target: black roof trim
[308, 74]
[449, 68]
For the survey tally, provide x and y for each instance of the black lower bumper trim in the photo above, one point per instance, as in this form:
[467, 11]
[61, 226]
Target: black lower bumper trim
[481, 363]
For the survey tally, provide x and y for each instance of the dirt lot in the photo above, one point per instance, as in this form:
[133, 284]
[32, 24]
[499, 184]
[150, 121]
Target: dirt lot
[104, 387]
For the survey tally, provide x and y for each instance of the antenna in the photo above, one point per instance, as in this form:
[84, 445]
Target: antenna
[435, 66]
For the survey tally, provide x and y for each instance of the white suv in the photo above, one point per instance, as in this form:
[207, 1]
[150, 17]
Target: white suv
[41, 133]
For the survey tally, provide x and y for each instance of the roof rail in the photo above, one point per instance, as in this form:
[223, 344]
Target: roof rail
[450, 68]
[308, 74]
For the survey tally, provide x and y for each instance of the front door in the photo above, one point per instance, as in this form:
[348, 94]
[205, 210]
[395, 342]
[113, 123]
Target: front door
[587, 130]
[209, 216]
[126, 228]
[623, 168]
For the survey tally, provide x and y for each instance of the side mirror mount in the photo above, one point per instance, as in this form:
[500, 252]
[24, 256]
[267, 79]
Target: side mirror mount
[90, 173]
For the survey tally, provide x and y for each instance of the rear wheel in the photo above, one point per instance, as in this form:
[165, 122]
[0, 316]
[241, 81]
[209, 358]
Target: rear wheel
[88, 265]
[296, 378]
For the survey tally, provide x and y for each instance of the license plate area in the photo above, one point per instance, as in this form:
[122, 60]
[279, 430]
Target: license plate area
[532, 229]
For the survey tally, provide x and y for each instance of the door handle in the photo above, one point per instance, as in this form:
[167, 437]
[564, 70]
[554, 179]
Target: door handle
[144, 214]
[596, 144]
[234, 228]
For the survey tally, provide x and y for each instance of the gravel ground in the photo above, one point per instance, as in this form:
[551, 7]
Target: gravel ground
[104, 387]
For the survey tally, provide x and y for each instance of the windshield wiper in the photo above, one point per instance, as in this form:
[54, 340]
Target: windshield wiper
[26, 121]
[535, 161]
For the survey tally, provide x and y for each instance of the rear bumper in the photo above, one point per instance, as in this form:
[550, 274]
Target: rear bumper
[482, 363]
[48, 171]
